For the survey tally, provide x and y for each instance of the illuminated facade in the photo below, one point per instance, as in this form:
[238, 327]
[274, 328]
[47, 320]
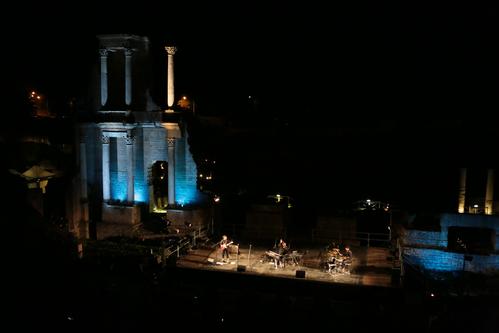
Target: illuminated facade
[134, 157]
[466, 241]
[462, 242]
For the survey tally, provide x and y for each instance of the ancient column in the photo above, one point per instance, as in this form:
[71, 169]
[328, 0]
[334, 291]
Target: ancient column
[462, 190]
[129, 139]
[103, 76]
[128, 76]
[171, 90]
[106, 183]
[171, 171]
[489, 194]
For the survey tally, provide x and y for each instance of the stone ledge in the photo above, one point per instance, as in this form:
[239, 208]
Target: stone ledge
[120, 214]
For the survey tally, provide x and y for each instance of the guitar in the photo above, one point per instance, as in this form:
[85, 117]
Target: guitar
[224, 246]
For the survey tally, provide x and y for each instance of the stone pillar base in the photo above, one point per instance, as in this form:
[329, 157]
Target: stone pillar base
[120, 214]
[118, 221]
[105, 230]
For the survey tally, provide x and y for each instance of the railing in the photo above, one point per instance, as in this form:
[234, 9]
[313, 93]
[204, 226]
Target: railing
[184, 245]
[369, 238]
[241, 231]
[199, 233]
[399, 250]
[427, 242]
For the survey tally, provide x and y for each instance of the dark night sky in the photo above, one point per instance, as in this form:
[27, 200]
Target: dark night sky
[325, 65]
[329, 58]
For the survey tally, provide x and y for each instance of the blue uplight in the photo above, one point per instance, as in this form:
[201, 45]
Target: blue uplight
[141, 193]
[118, 186]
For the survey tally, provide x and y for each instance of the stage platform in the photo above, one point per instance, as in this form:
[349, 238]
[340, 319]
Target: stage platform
[370, 266]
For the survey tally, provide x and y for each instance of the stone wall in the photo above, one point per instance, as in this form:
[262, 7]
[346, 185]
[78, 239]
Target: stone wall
[150, 145]
[186, 191]
[472, 221]
[154, 149]
[265, 222]
[424, 238]
[440, 260]
[129, 215]
[335, 228]
[199, 217]
[105, 230]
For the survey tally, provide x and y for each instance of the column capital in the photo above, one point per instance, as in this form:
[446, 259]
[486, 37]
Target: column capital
[171, 142]
[129, 52]
[129, 139]
[104, 139]
[170, 50]
[104, 52]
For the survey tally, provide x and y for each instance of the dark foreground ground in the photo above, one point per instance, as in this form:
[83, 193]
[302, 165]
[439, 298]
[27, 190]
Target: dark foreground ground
[97, 298]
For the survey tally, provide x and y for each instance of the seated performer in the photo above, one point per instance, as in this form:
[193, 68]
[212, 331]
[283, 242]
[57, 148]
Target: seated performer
[347, 252]
[282, 249]
[347, 261]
